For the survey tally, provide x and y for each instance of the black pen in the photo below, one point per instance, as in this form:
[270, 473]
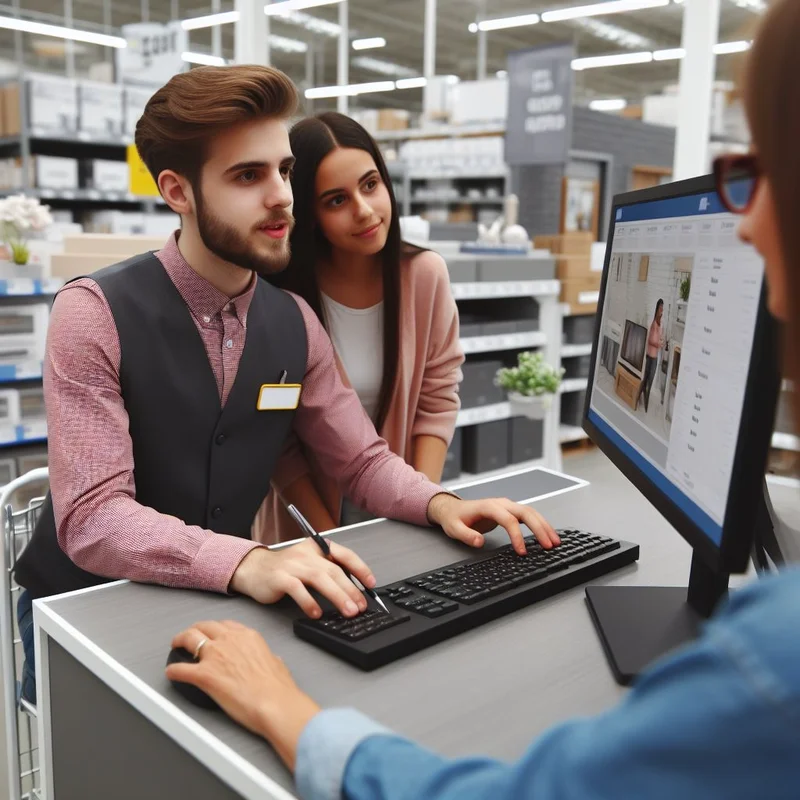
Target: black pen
[305, 526]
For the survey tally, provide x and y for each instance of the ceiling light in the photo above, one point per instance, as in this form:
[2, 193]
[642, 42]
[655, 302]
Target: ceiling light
[210, 20]
[614, 33]
[203, 58]
[676, 54]
[501, 74]
[369, 44]
[384, 67]
[313, 24]
[612, 104]
[350, 90]
[505, 22]
[295, 5]
[473, 27]
[752, 5]
[593, 62]
[411, 83]
[731, 47]
[597, 9]
[60, 32]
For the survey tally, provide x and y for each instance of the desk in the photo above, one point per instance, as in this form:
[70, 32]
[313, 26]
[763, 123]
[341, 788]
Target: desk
[112, 726]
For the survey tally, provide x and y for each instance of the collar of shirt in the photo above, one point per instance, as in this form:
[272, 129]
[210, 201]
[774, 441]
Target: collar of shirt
[205, 301]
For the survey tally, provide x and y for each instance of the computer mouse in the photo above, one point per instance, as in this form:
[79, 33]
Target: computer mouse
[194, 695]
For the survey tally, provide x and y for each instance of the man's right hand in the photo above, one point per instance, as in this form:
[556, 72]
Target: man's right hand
[268, 575]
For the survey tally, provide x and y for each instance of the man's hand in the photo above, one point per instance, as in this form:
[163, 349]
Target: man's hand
[467, 520]
[239, 671]
[268, 575]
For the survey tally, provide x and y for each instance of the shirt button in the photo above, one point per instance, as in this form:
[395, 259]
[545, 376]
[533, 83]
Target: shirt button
[229, 344]
[220, 438]
[206, 319]
[216, 513]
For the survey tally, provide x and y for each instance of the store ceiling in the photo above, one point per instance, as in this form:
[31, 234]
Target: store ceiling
[401, 23]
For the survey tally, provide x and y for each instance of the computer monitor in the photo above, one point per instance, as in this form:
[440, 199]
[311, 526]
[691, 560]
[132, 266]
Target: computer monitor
[681, 397]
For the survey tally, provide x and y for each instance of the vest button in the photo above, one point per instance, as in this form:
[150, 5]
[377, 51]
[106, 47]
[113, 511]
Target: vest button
[220, 438]
[216, 513]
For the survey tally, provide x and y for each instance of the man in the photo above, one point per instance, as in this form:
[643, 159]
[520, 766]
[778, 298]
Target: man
[171, 383]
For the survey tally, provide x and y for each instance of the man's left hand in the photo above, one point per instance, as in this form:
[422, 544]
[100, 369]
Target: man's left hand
[467, 520]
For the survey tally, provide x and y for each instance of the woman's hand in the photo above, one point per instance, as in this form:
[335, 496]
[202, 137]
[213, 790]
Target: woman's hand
[237, 669]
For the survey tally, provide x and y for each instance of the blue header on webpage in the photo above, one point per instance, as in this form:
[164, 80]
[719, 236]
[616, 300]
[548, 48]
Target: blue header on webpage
[694, 205]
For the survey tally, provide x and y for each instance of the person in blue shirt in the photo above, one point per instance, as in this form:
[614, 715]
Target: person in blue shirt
[718, 719]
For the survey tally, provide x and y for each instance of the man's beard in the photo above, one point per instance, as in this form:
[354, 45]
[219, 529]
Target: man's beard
[228, 244]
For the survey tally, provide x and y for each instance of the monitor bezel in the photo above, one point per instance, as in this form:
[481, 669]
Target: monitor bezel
[752, 449]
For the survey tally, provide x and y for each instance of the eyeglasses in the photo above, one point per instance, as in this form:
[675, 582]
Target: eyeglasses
[737, 178]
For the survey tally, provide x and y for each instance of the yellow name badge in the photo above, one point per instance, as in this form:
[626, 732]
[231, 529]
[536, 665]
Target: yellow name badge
[279, 397]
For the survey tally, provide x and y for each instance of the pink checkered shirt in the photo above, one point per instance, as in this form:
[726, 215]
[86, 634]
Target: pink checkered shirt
[100, 525]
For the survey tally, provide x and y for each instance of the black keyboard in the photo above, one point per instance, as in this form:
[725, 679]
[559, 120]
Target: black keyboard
[428, 608]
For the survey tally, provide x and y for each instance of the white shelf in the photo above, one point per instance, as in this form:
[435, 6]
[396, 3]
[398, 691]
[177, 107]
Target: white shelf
[84, 195]
[573, 350]
[786, 441]
[574, 385]
[29, 287]
[10, 373]
[467, 477]
[457, 174]
[508, 341]
[31, 433]
[474, 416]
[439, 132]
[571, 433]
[461, 201]
[483, 290]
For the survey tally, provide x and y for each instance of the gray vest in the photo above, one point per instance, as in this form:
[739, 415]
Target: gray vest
[207, 465]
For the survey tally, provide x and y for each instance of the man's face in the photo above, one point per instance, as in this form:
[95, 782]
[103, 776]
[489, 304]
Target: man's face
[244, 197]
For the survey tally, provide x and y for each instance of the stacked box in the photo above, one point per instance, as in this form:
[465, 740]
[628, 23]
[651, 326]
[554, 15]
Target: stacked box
[576, 366]
[486, 446]
[526, 439]
[572, 404]
[452, 462]
[101, 110]
[478, 387]
[105, 175]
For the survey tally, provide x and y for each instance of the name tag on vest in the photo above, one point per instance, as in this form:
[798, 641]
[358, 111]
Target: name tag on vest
[279, 397]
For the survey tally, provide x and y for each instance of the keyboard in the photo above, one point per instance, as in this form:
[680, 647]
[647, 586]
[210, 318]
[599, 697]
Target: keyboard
[428, 608]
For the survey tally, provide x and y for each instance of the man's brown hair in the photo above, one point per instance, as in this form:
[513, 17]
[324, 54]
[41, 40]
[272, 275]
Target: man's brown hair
[182, 117]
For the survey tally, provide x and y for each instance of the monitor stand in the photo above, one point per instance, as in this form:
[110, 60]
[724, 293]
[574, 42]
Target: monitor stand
[639, 624]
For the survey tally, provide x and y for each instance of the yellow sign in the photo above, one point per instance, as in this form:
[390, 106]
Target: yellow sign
[140, 181]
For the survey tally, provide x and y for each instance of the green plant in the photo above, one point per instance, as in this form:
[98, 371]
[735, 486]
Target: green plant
[685, 288]
[532, 376]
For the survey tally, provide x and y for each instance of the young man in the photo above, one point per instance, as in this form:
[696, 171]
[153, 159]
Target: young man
[162, 435]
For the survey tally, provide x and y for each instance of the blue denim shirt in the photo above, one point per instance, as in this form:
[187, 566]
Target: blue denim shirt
[719, 719]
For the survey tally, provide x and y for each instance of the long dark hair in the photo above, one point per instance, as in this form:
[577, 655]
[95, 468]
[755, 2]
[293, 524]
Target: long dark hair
[659, 304]
[312, 139]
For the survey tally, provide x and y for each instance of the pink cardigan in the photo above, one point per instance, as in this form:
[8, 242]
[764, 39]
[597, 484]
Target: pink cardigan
[425, 399]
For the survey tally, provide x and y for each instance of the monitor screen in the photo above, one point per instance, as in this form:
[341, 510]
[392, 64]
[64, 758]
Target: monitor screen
[676, 332]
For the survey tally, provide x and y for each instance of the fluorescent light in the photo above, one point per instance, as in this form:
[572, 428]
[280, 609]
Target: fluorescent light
[382, 67]
[614, 33]
[473, 27]
[597, 9]
[203, 58]
[676, 54]
[60, 32]
[593, 62]
[210, 20]
[411, 83]
[313, 24]
[350, 90]
[612, 104]
[295, 5]
[287, 45]
[731, 47]
[504, 22]
[369, 44]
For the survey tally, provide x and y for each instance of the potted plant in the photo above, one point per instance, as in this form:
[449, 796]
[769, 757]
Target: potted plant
[19, 217]
[685, 288]
[530, 385]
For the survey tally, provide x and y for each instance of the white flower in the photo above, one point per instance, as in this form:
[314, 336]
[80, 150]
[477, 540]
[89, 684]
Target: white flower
[19, 213]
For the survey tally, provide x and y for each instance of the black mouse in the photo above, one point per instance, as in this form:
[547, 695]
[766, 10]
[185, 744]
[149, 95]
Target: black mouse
[194, 695]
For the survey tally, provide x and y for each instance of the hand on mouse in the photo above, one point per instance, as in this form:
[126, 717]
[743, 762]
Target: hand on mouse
[268, 575]
[236, 668]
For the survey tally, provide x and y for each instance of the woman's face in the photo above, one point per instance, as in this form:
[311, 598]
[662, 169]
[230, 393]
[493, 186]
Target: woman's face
[759, 227]
[353, 204]
[659, 314]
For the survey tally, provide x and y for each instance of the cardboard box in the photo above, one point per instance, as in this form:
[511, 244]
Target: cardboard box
[581, 294]
[393, 119]
[52, 104]
[134, 102]
[110, 244]
[101, 111]
[76, 265]
[105, 175]
[570, 267]
[54, 172]
[12, 110]
[461, 214]
[566, 244]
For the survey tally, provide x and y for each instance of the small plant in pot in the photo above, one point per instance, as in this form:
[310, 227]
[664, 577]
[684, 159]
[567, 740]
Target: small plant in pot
[530, 385]
[19, 217]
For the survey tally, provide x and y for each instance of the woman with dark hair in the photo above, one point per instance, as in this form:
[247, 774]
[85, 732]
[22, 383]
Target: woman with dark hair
[386, 305]
[718, 720]
[655, 341]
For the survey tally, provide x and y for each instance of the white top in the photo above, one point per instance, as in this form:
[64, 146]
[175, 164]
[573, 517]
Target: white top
[357, 336]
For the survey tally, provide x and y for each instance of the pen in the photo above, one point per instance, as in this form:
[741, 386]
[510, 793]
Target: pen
[305, 526]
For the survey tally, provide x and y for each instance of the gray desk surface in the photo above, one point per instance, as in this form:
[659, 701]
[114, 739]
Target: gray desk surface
[487, 691]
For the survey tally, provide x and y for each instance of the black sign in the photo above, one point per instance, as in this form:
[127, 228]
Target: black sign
[539, 126]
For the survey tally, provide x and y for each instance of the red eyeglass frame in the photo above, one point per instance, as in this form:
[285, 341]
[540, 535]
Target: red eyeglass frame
[749, 167]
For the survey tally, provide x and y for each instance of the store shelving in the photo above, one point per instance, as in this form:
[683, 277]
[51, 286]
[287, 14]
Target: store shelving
[508, 341]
